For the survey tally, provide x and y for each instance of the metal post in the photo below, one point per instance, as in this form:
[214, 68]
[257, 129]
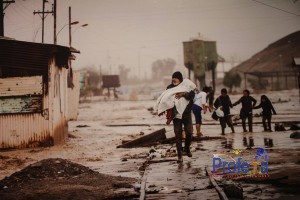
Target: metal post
[213, 78]
[272, 82]
[245, 80]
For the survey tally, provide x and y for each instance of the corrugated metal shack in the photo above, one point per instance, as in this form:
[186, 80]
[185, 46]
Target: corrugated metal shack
[33, 94]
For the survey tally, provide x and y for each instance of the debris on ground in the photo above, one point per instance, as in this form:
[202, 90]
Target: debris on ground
[295, 127]
[57, 178]
[146, 140]
[279, 127]
[295, 135]
[233, 191]
[82, 126]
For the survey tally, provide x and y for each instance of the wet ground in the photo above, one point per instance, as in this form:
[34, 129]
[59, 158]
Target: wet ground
[100, 128]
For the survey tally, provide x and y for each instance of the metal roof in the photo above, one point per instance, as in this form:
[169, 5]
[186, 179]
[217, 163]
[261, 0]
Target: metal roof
[29, 55]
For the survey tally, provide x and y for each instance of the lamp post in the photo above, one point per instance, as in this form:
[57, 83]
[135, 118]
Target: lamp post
[83, 25]
[139, 60]
[73, 23]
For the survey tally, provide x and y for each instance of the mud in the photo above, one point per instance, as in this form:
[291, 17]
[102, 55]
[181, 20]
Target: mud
[94, 146]
[61, 179]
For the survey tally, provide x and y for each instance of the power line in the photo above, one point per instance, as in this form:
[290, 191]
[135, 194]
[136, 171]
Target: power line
[276, 8]
[43, 16]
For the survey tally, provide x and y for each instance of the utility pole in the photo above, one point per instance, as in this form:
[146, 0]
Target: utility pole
[43, 16]
[2, 8]
[70, 31]
[54, 28]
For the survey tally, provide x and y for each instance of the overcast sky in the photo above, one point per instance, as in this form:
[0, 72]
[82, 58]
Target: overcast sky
[124, 31]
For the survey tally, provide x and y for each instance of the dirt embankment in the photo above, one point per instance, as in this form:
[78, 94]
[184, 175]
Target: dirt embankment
[61, 179]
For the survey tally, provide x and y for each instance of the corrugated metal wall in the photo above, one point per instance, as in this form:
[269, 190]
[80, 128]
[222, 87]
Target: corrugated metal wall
[73, 97]
[24, 130]
[58, 96]
[18, 86]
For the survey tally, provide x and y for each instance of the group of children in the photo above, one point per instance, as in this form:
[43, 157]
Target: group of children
[195, 102]
[224, 103]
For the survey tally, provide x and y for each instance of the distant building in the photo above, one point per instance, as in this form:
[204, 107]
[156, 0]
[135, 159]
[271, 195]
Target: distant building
[33, 94]
[272, 68]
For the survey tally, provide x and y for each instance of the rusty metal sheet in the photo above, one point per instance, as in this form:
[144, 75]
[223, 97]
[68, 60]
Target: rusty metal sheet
[29, 55]
[21, 104]
[19, 86]
[24, 130]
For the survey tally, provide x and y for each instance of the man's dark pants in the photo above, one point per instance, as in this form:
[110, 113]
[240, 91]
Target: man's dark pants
[188, 128]
[226, 120]
[268, 119]
[244, 116]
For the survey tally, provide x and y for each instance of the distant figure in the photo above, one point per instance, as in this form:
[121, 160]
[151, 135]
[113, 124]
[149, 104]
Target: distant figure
[115, 94]
[200, 104]
[267, 108]
[224, 102]
[248, 102]
[211, 98]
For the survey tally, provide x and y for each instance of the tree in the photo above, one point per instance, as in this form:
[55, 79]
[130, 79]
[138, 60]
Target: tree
[162, 67]
[232, 79]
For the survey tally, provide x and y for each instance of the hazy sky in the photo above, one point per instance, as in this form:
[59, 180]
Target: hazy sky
[124, 31]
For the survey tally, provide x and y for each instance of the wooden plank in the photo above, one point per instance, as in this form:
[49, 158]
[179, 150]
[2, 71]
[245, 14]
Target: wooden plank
[21, 86]
[143, 187]
[21, 105]
[150, 138]
[217, 187]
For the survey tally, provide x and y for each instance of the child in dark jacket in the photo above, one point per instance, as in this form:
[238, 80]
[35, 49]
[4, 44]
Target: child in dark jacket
[267, 108]
[224, 102]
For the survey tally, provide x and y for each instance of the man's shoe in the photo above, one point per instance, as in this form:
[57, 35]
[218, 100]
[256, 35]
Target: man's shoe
[180, 160]
[189, 154]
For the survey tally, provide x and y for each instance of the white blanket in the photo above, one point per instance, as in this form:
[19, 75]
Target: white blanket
[167, 99]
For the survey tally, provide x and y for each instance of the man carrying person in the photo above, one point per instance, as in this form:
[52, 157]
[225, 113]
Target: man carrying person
[186, 119]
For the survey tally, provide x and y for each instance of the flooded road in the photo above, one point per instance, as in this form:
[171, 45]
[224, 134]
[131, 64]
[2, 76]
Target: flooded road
[101, 128]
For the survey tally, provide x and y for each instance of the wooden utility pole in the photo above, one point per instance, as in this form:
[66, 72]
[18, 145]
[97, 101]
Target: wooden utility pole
[54, 28]
[70, 31]
[2, 19]
[2, 8]
[43, 16]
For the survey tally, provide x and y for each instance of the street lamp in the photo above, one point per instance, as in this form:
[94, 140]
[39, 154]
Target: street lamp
[83, 25]
[73, 23]
[139, 60]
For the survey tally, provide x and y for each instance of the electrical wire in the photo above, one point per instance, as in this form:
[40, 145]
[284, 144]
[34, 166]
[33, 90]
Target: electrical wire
[276, 8]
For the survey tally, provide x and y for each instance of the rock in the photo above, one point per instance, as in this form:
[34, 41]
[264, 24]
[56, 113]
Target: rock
[295, 135]
[82, 126]
[124, 159]
[233, 191]
[279, 127]
[295, 127]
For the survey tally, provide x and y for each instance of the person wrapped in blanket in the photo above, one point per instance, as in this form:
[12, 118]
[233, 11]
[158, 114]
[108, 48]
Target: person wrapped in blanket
[224, 102]
[185, 120]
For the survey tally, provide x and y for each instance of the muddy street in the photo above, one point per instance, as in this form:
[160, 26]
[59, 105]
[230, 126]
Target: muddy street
[103, 125]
